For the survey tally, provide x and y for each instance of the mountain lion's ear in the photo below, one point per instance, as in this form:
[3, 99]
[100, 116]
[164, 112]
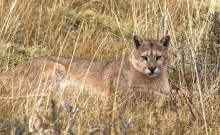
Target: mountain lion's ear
[137, 41]
[165, 41]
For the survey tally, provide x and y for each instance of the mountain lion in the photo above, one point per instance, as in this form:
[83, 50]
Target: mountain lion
[141, 71]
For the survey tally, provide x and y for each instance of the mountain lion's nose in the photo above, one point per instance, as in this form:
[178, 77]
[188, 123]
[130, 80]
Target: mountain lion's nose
[152, 69]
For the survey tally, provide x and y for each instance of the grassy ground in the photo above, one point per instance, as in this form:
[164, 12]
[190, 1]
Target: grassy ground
[104, 29]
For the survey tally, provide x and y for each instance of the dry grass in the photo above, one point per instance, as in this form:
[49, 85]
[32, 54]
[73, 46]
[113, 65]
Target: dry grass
[82, 28]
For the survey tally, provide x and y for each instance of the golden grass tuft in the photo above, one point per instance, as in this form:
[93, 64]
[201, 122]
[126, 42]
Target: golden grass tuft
[105, 28]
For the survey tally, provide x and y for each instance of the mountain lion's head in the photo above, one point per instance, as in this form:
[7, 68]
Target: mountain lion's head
[150, 56]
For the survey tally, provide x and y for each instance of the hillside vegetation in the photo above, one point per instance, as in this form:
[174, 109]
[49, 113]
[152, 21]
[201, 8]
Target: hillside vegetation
[103, 30]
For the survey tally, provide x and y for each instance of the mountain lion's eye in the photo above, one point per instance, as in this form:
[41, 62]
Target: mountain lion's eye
[158, 57]
[144, 58]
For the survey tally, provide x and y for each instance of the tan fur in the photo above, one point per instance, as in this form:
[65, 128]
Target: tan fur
[102, 76]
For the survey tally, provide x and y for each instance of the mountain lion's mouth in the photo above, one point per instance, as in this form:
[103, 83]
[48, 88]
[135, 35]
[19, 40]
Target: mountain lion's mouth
[152, 75]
